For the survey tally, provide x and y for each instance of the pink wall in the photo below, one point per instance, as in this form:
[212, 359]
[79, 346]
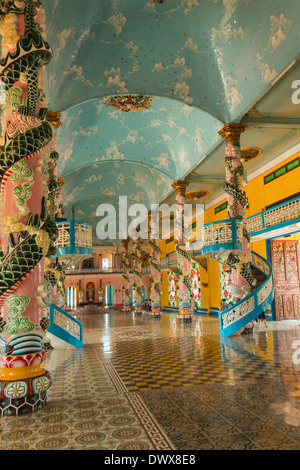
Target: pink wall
[115, 280]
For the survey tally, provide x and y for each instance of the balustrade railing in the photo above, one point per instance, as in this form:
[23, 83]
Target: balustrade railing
[284, 212]
[222, 235]
[93, 271]
[65, 326]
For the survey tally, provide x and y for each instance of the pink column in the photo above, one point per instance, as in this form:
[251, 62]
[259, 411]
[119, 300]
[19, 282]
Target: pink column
[155, 278]
[137, 276]
[125, 275]
[237, 203]
[183, 259]
[28, 231]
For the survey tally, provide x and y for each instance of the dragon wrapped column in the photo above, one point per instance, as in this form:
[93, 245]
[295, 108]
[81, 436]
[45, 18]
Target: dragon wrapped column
[28, 231]
[183, 270]
[155, 278]
[138, 277]
[125, 276]
[237, 203]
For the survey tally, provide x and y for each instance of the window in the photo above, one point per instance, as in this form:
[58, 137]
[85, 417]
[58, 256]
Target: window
[105, 263]
[282, 170]
[221, 207]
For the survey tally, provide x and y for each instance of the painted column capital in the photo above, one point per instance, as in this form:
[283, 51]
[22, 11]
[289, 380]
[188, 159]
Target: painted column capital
[180, 186]
[231, 132]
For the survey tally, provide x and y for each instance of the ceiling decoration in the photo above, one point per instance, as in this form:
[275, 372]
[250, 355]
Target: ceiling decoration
[187, 67]
[128, 103]
[195, 194]
[249, 153]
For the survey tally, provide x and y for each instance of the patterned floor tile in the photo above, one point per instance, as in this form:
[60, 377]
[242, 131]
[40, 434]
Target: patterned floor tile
[142, 385]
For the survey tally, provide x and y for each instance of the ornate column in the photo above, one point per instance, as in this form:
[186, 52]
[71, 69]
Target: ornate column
[125, 275]
[28, 230]
[138, 277]
[237, 203]
[155, 278]
[183, 270]
[54, 269]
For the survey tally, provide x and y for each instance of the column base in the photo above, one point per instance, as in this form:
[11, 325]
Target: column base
[184, 318]
[155, 314]
[20, 406]
[138, 312]
[24, 395]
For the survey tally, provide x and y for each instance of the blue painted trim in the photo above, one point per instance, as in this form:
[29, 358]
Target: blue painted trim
[222, 247]
[201, 311]
[56, 330]
[170, 309]
[214, 311]
[72, 235]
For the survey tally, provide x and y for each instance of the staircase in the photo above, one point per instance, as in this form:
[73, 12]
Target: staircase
[220, 238]
[65, 327]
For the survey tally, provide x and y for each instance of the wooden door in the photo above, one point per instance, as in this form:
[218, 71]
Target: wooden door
[286, 275]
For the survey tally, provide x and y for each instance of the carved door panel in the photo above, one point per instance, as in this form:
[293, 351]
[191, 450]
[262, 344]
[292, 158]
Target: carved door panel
[286, 275]
[296, 300]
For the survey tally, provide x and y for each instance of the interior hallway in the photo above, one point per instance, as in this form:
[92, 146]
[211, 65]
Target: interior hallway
[142, 384]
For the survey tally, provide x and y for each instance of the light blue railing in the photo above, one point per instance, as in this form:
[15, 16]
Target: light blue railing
[224, 235]
[65, 326]
[277, 216]
[238, 315]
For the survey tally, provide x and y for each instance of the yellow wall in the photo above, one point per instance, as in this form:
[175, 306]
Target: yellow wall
[210, 216]
[259, 247]
[261, 195]
[165, 293]
[295, 237]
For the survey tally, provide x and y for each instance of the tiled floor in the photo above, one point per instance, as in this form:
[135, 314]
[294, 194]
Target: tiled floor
[141, 384]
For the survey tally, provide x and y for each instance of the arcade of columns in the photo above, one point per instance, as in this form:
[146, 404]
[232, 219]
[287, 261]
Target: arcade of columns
[240, 262]
[28, 227]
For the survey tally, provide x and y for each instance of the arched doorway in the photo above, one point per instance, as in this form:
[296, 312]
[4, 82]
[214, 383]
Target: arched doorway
[110, 295]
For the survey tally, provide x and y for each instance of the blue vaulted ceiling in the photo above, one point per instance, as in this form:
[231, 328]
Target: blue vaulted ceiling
[204, 62]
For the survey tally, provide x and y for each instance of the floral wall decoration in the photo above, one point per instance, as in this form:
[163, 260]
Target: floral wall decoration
[228, 289]
[129, 103]
[172, 283]
[195, 278]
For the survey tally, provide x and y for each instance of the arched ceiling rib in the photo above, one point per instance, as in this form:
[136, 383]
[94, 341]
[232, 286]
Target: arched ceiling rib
[170, 136]
[204, 62]
[216, 55]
